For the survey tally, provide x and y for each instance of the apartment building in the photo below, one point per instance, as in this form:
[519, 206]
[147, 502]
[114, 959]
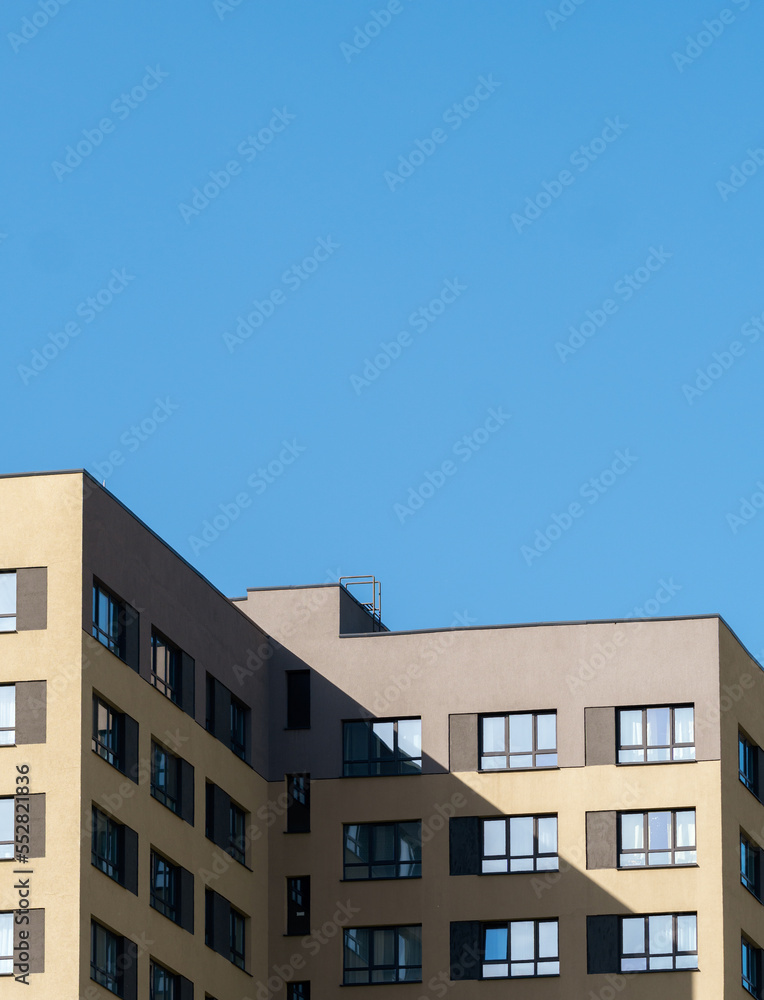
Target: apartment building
[274, 796]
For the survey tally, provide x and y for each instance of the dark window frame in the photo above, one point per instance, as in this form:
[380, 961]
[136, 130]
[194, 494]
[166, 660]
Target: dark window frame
[298, 699]
[750, 851]
[173, 977]
[237, 928]
[398, 763]
[239, 727]
[535, 858]
[298, 905]
[298, 803]
[509, 754]
[748, 762]
[535, 961]
[299, 991]
[673, 955]
[113, 868]
[106, 751]
[168, 907]
[171, 685]
[753, 981]
[157, 791]
[116, 644]
[105, 976]
[671, 746]
[237, 831]
[381, 967]
[374, 862]
[11, 616]
[646, 850]
[9, 729]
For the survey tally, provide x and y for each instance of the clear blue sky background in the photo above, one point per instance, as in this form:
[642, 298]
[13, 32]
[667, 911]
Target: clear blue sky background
[683, 124]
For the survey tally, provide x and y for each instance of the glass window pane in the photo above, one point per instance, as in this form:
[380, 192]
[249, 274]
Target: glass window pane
[494, 763]
[356, 741]
[658, 858]
[494, 837]
[633, 964]
[549, 968]
[521, 940]
[521, 836]
[546, 731]
[658, 753]
[383, 945]
[410, 946]
[410, 837]
[520, 733]
[7, 706]
[495, 971]
[632, 831]
[497, 865]
[658, 727]
[7, 593]
[384, 843]
[687, 932]
[521, 865]
[685, 828]
[686, 961]
[522, 969]
[357, 948]
[547, 939]
[495, 944]
[410, 737]
[684, 753]
[548, 835]
[546, 760]
[659, 827]
[684, 725]
[494, 731]
[661, 934]
[520, 760]
[356, 843]
[633, 935]
[630, 756]
[631, 728]
[686, 857]
[631, 860]
[383, 741]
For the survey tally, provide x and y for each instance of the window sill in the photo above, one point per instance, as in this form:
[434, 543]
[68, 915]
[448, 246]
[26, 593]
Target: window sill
[385, 878]
[655, 868]
[519, 770]
[655, 763]
[536, 874]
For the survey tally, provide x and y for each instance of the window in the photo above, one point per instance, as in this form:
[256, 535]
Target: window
[382, 746]
[298, 699]
[750, 865]
[109, 618]
[166, 666]
[210, 709]
[383, 850]
[237, 833]
[748, 763]
[298, 991]
[657, 838]
[239, 714]
[106, 852]
[520, 844]
[298, 803]
[8, 601]
[107, 732]
[382, 955]
[651, 735]
[298, 905]
[7, 830]
[7, 715]
[659, 942]
[164, 984]
[104, 954]
[237, 926]
[6, 944]
[521, 948]
[526, 739]
[164, 776]
[751, 967]
[164, 887]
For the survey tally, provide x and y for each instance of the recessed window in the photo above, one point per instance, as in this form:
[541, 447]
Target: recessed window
[109, 618]
[8, 601]
[653, 735]
[166, 666]
[520, 844]
[164, 984]
[659, 942]
[107, 733]
[298, 991]
[750, 865]
[6, 944]
[237, 926]
[237, 833]
[298, 699]
[382, 747]
[105, 854]
[239, 719]
[298, 905]
[521, 948]
[164, 887]
[104, 956]
[518, 740]
[751, 968]
[383, 850]
[382, 955]
[748, 763]
[664, 837]
[164, 776]
[7, 715]
[7, 836]
[298, 803]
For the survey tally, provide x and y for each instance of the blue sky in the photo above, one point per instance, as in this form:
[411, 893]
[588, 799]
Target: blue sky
[474, 286]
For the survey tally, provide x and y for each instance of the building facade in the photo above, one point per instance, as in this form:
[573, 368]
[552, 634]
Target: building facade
[273, 796]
